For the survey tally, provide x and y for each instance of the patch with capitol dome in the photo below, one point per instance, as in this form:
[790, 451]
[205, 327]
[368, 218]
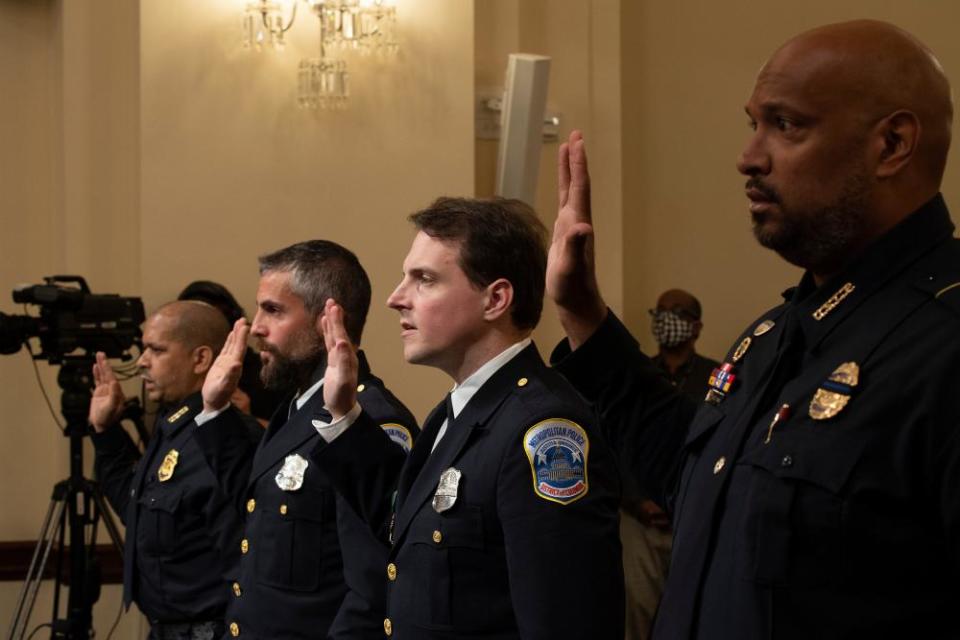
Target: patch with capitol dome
[557, 450]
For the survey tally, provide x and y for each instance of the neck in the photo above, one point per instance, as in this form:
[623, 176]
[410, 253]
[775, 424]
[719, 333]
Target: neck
[886, 213]
[674, 357]
[481, 352]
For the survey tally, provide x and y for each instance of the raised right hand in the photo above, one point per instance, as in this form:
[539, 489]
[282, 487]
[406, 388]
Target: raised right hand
[340, 379]
[571, 274]
[224, 374]
[106, 403]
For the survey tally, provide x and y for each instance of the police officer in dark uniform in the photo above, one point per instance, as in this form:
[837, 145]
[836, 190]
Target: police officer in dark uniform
[181, 530]
[504, 523]
[309, 567]
[817, 487]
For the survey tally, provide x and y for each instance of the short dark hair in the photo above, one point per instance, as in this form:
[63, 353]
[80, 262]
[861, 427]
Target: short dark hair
[499, 238]
[320, 270]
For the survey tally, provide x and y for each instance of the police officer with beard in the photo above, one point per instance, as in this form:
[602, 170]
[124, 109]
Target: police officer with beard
[309, 568]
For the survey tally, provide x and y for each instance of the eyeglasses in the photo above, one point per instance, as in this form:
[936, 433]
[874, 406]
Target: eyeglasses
[680, 311]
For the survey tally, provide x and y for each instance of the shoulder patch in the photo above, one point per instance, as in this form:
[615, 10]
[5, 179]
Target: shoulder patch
[557, 450]
[399, 434]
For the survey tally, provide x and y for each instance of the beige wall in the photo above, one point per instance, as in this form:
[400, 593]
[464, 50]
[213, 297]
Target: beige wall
[231, 168]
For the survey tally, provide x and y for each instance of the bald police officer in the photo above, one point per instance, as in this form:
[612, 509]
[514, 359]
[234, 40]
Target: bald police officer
[816, 489]
[181, 530]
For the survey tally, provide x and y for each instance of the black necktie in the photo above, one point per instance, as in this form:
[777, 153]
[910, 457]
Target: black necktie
[424, 444]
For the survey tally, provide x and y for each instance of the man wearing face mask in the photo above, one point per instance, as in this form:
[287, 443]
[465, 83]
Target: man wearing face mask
[676, 326]
[644, 527]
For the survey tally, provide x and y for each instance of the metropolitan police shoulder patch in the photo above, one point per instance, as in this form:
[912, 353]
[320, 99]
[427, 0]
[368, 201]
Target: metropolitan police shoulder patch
[557, 450]
[399, 434]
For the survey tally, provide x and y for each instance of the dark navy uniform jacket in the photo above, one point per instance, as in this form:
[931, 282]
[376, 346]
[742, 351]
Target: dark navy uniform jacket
[304, 565]
[501, 562]
[842, 519]
[182, 532]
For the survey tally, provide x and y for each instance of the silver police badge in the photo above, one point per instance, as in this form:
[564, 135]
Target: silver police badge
[446, 494]
[290, 476]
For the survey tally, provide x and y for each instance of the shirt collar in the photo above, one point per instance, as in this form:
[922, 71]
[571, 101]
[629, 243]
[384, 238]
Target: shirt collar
[306, 395]
[463, 392]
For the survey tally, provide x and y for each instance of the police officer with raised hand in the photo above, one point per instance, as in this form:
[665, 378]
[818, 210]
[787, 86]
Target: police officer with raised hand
[309, 567]
[503, 521]
[816, 490]
[182, 532]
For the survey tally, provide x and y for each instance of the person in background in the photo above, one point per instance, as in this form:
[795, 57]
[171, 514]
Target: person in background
[676, 324]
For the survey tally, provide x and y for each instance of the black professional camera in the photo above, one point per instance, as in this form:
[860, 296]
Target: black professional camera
[72, 318]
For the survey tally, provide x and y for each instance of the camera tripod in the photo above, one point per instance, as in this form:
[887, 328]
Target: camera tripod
[77, 506]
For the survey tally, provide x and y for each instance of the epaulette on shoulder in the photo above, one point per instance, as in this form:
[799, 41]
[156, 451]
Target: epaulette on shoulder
[949, 295]
[381, 405]
[942, 279]
[372, 399]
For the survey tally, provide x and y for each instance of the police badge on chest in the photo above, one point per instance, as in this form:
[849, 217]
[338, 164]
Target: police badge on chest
[290, 476]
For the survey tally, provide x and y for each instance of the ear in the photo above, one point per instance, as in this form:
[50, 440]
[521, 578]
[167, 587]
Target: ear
[498, 300]
[202, 359]
[897, 136]
[697, 327]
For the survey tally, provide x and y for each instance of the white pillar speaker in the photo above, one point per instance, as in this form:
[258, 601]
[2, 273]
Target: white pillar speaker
[521, 126]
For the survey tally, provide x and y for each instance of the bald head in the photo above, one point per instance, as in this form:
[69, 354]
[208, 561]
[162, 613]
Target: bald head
[678, 299]
[180, 342]
[851, 131]
[877, 70]
[195, 324]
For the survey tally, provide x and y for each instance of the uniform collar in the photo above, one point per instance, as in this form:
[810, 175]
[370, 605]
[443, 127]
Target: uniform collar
[173, 416]
[463, 392]
[819, 310]
[363, 373]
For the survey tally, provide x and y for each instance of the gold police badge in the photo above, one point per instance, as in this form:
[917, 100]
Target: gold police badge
[834, 392]
[165, 472]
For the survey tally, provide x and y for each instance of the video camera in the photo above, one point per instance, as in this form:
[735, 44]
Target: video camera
[72, 318]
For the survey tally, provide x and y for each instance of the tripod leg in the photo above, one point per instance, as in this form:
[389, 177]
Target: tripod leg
[31, 584]
[104, 513]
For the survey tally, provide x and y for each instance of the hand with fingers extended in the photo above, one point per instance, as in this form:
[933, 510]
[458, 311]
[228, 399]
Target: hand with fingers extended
[340, 379]
[106, 404]
[224, 374]
[571, 275]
